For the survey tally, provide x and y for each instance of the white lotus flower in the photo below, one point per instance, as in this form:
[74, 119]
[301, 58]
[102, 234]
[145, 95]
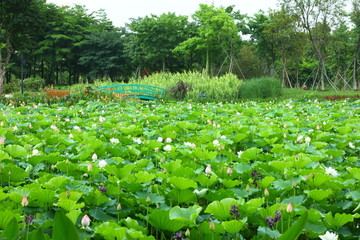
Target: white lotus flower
[16, 128]
[331, 171]
[168, 140]
[114, 140]
[101, 119]
[71, 135]
[35, 152]
[239, 153]
[94, 157]
[300, 138]
[216, 143]
[160, 139]
[351, 145]
[77, 128]
[137, 140]
[308, 140]
[102, 163]
[329, 236]
[167, 148]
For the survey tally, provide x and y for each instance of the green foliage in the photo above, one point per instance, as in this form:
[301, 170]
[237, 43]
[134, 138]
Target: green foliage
[34, 84]
[264, 87]
[203, 87]
[146, 192]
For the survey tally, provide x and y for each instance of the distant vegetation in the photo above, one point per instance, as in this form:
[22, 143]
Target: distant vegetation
[69, 45]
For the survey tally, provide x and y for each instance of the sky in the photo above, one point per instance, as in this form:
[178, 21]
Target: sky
[120, 11]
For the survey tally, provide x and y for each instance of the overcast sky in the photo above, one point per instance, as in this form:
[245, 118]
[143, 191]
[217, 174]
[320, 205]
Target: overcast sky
[120, 11]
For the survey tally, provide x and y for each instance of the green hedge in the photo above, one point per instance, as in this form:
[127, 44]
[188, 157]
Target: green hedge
[264, 87]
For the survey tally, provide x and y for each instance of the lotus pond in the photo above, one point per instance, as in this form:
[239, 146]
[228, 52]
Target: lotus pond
[153, 170]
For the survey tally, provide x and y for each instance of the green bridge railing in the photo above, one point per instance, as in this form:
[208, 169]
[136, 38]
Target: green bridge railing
[145, 92]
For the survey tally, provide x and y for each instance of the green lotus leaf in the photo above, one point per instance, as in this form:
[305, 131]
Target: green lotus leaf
[265, 231]
[206, 181]
[64, 228]
[294, 200]
[3, 155]
[13, 173]
[182, 183]
[319, 194]
[182, 196]
[338, 220]
[266, 181]
[16, 151]
[12, 230]
[221, 209]
[69, 205]
[251, 206]
[160, 219]
[144, 177]
[296, 229]
[354, 195]
[251, 153]
[233, 226]
[73, 215]
[186, 215]
[132, 223]
[56, 182]
[42, 197]
[230, 183]
[101, 215]
[355, 172]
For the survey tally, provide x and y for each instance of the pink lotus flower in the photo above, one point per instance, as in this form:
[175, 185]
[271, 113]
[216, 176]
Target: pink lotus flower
[229, 171]
[89, 167]
[85, 221]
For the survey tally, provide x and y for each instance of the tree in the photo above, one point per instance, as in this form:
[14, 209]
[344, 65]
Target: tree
[17, 19]
[281, 30]
[102, 55]
[317, 18]
[355, 18]
[152, 39]
[265, 48]
[217, 32]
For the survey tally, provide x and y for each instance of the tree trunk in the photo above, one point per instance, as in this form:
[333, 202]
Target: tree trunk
[163, 64]
[4, 63]
[322, 74]
[207, 61]
[355, 74]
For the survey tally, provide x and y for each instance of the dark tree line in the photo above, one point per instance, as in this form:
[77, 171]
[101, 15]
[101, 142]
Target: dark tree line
[310, 42]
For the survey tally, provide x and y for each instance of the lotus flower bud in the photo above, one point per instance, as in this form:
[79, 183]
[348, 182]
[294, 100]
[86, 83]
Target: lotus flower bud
[24, 201]
[85, 221]
[289, 208]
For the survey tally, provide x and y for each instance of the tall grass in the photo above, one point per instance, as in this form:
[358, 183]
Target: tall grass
[264, 87]
[202, 85]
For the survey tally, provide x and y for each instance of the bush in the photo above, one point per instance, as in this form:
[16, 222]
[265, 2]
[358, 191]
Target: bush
[264, 87]
[33, 84]
[11, 87]
[202, 85]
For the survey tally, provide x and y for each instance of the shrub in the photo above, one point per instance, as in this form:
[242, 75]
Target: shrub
[33, 84]
[11, 87]
[202, 85]
[264, 87]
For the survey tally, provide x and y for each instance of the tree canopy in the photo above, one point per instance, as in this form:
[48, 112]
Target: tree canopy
[302, 42]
